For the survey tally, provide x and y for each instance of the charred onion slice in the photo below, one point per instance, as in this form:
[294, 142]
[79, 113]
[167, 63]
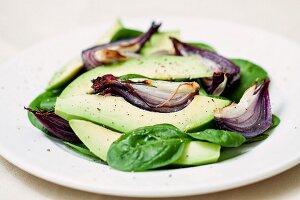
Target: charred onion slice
[116, 51]
[56, 125]
[225, 72]
[251, 116]
[156, 96]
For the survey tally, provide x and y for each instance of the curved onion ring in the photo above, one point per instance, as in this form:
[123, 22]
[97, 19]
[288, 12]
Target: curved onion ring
[225, 72]
[251, 116]
[156, 96]
[56, 125]
[116, 51]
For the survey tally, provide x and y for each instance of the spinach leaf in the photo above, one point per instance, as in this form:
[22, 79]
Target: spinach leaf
[203, 46]
[130, 76]
[249, 74]
[221, 137]
[257, 138]
[202, 92]
[229, 153]
[125, 33]
[275, 121]
[82, 150]
[147, 148]
[48, 103]
[36, 105]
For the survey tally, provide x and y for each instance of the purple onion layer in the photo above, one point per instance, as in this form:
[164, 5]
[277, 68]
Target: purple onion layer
[56, 125]
[116, 51]
[225, 72]
[251, 116]
[156, 96]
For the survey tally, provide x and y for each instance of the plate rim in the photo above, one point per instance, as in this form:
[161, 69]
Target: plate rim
[51, 178]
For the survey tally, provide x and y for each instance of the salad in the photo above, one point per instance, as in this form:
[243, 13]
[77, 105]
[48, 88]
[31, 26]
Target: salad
[140, 101]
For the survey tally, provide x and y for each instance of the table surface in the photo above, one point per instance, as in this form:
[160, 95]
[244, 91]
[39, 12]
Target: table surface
[24, 23]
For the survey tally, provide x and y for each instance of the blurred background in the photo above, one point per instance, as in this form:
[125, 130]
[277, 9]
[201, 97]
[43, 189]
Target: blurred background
[25, 23]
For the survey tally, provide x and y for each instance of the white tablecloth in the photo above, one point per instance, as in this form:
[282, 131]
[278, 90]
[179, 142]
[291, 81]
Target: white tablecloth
[23, 23]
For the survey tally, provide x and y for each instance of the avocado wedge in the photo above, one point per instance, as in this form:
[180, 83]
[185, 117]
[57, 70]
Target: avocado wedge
[157, 67]
[66, 73]
[74, 66]
[98, 140]
[199, 153]
[160, 42]
[117, 114]
[106, 38]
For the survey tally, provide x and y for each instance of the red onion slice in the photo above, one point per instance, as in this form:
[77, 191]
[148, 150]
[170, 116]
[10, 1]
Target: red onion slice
[156, 96]
[56, 125]
[116, 51]
[225, 72]
[251, 116]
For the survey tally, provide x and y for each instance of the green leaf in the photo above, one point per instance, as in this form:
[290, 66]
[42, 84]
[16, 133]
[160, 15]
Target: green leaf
[202, 92]
[229, 153]
[130, 76]
[221, 137]
[249, 74]
[125, 33]
[82, 150]
[48, 103]
[275, 121]
[257, 138]
[36, 105]
[203, 46]
[147, 148]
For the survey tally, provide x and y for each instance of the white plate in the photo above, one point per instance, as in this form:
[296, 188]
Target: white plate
[27, 74]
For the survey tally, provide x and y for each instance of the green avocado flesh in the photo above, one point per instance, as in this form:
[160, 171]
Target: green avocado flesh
[118, 25]
[74, 66]
[117, 114]
[66, 73]
[160, 42]
[158, 67]
[199, 153]
[98, 140]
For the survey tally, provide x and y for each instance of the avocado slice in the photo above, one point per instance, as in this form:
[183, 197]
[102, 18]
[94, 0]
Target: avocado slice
[98, 140]
[74, 66]
[116, 113]
[153, 67]
[160, 42]
[106, 38]
[199, 153]
[66, 73]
